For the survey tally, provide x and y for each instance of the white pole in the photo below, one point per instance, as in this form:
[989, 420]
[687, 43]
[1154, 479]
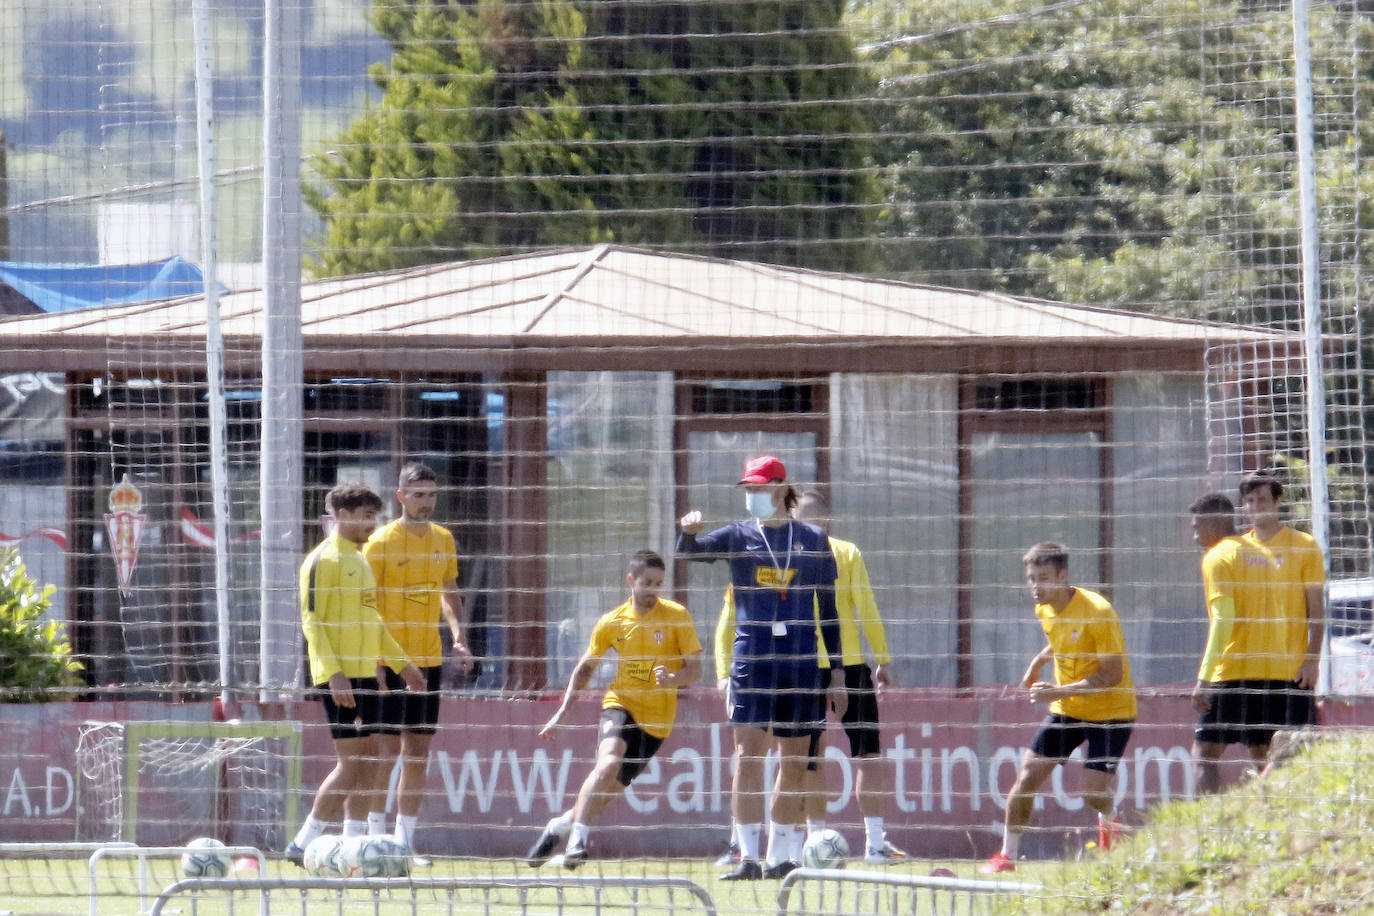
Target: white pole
[1311, 292]
[281, 478]
[214, 339]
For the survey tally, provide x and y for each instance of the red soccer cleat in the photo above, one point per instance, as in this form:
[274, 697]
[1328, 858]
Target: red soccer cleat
[1108, 834]
[997, 864]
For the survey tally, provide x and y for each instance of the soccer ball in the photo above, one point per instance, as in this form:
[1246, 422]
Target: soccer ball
[362, 857]
[322, 856]
[204, 859]
[827, 849]
[395, 856]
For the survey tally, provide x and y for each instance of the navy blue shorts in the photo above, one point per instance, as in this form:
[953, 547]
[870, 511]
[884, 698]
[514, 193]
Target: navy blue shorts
[783, 695]
[406, 710]
[1059, 735]
[1249, 712]
[363, 719]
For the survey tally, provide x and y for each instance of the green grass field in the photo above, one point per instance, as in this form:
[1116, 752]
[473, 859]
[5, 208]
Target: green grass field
[1296, 841]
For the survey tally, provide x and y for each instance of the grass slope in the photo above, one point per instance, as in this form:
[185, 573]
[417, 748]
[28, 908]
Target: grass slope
[1298, 840]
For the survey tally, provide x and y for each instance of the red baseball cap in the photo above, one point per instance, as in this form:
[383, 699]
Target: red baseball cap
[763, 469]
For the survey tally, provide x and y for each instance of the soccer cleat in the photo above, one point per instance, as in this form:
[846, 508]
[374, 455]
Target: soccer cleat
[746, 870]
[779, 870]
[729, 857]
[1108, 834]
[294, 854]
[997, 864]
[887, 854]
[554, 833]
[421, 862]
[574, 857]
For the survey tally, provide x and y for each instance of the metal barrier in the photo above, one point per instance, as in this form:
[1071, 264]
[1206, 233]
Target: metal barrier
[144, 853]
[884, 894]
[531, 895]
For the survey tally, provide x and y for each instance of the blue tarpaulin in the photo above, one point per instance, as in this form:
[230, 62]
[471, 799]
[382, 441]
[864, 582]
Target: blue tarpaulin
[63, 287]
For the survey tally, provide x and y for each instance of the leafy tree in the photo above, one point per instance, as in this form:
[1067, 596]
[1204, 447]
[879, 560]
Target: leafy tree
[724, 127]
[1107, 152]
[36, 661]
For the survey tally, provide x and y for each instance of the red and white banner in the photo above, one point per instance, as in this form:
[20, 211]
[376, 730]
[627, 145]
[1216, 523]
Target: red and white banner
[197, 534]
[56, 535]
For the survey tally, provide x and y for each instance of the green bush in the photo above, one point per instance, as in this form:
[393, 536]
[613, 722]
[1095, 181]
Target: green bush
[36, 661]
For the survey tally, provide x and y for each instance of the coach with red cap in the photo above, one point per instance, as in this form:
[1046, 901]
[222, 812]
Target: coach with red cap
[783, 575]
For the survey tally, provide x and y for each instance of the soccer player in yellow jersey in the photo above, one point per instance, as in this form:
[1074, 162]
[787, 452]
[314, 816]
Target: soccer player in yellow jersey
[1091, 700]
[348, 645]
[416, 565]
[1264, 604]
[658, 653]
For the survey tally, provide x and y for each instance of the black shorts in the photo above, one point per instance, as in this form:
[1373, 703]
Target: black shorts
[1249, 712]
[1059, 735]
[409, 710]
[365, 718]
[861, 715]
[640, 746]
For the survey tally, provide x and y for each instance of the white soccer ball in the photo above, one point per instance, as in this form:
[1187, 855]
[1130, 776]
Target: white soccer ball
[827, 849]
[362, 857]
[204, 858]
[395, 856]
[322, 856]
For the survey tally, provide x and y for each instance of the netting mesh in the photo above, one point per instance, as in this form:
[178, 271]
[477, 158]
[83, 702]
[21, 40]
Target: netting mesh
[983, 274]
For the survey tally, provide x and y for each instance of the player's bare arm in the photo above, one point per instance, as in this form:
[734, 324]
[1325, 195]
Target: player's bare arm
[451, 603]
[1110, 670]
[1316, 631]
[1032, 674]
[686, 675]
[581, 675]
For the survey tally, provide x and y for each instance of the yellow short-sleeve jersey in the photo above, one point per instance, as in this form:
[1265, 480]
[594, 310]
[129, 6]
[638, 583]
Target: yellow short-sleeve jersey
[1298, 566]
[643, 640]
[412, 570]
[1080, 636]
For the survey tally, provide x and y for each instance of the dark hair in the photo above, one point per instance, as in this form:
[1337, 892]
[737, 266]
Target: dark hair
[646, 559]
[1047, 553]
[790, 498]
[352, 495]
[1261, 479]
[1213, 503]
[415, 471]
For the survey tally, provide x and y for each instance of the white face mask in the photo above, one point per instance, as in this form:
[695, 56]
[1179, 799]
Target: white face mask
[758, 505]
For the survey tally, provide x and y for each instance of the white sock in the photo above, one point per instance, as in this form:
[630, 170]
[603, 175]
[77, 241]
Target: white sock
[814, 825]
[873, 832]
[405, 829]
[775, 850]
[309, 830]
[1104, 820]
[796, 839]
[354, 828]
[577, 837]
[376, 823]
[734, 833]
[749, 836]
[1011, 844]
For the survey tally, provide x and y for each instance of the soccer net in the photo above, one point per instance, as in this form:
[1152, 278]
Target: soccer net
[982, 274]
[166, 783]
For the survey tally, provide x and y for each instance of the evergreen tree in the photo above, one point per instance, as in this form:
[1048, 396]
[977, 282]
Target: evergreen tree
[727, 128]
